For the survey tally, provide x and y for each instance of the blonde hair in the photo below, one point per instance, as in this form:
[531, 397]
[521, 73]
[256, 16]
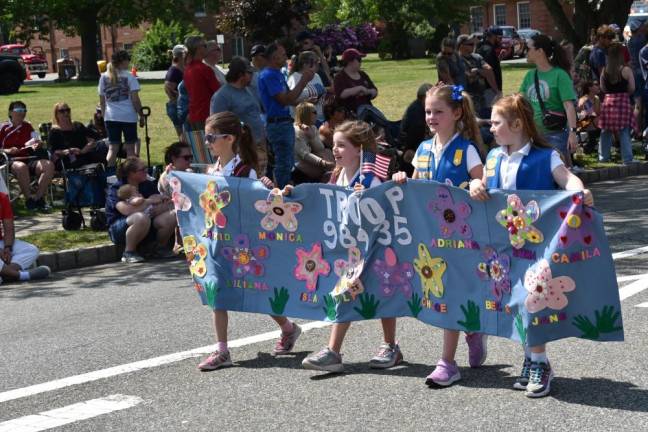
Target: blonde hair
[360, 135]
[303, 113]
[516, 107]
[467, 123]
[58, 106]
[126, 191]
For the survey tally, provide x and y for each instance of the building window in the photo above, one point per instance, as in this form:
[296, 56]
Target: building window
[239, 48]
[128, 47]
[499, 14]
[524, 16]
[200, 11]
[476, 19]
[64, 53]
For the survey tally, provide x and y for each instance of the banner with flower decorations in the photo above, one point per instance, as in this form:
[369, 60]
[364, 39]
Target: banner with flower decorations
[532, 266]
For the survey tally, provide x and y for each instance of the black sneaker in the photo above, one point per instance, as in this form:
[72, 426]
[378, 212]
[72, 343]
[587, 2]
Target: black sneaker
[42, 205]
[31, 204]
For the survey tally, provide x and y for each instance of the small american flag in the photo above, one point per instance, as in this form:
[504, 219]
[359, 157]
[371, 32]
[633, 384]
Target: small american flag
[375, 163]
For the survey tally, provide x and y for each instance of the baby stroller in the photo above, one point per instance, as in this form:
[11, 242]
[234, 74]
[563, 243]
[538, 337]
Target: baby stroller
[85, 186]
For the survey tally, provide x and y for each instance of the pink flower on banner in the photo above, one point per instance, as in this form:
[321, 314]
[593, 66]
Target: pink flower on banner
[213, 203]
[310, 265]
[576, 223]
[181, 202]
[452, 217]
[495, 269]
[518, 219]
[245, 259]
[393, 275]
[277, 212]
[545, 291]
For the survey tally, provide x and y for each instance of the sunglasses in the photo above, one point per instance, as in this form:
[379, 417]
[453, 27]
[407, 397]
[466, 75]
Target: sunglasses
[64, 110]
[19, 110]
[211, 138]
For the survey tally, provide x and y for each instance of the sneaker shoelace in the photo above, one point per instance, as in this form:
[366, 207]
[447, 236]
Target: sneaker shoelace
[536, 374]
[385, 351]
[526, 370]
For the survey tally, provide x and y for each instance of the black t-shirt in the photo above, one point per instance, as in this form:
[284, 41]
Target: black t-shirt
[174, 75]
[413, 127]
[488, 52]
[64, 139]
[146, 188]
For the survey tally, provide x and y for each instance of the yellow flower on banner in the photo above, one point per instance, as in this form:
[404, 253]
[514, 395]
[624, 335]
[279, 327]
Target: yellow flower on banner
[196, 254]
[213, 202]
[430, 271]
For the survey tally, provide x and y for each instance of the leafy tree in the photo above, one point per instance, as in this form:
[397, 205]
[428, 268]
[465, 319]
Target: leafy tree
[151, 53]
[263, 20]
[403, 18]
[83, 18]
[588, 15]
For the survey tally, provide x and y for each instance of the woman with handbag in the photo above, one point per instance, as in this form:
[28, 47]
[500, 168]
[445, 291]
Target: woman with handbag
[550, 90]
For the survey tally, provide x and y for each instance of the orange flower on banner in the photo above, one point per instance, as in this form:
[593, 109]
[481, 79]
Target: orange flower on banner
[196, 254]
[213, 202]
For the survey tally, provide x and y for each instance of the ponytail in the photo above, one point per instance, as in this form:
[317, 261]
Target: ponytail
[247, 148]
[555, 53]
[516, 107]
[113, 73]
[227, 122]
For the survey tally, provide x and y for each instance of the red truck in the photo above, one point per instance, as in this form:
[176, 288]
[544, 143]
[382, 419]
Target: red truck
[34, 59]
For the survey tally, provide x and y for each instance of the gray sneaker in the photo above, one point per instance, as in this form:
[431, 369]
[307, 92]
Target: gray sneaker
[325, 360]
[131, 257]
[389, 355]
[286, 342]
[40, 272]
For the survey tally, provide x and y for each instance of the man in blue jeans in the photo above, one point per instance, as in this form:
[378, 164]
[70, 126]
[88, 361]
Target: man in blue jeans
[276, 98]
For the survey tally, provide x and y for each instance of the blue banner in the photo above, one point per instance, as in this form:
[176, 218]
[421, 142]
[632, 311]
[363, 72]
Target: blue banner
[532, 266]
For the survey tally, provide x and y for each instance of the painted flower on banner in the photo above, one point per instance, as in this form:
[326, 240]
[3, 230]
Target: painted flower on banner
[277, 212]
[495, 268]
[430, 271]
[349, 272]
[181, 202]
[451, 216]
[310, 265]
[394, 276]
[195, 253]
[576, 223]
[245, 260]
[545, 291]
[518, 219]
[213, 202]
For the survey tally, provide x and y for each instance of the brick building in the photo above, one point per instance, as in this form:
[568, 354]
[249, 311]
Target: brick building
[519, 14]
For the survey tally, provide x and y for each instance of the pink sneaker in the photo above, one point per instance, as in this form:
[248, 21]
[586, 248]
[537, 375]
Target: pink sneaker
[476, 349]
[445, 374]
[215, 360]
[286, 342]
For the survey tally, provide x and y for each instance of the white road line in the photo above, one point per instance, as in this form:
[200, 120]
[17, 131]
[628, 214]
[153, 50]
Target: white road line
[625, 292]
[631, 277]
[642, 305]
[142, 364]
[634, 288]
[70, 414]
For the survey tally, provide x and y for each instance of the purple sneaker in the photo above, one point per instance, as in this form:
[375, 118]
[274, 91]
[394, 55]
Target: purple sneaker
[476, 349]
[444, 374]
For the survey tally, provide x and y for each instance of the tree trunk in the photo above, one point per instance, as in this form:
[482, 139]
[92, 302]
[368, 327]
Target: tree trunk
[88, 31]
[563, 23]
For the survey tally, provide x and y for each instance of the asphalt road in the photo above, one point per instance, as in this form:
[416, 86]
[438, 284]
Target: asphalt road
[97, 318]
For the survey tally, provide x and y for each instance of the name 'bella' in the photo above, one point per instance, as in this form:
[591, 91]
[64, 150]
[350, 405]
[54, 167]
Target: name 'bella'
[583, 255]
[454, 244]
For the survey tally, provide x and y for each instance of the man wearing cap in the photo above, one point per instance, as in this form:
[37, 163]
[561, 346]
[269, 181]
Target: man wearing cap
[276, 98]
[306, 42]
[488, 50]
[235, 96]
[213, 56]
[259, 61]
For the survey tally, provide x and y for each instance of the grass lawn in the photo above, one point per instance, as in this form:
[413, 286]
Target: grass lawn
[397, 82]
[52, 241]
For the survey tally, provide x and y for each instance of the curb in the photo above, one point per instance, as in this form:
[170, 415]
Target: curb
[109, 253]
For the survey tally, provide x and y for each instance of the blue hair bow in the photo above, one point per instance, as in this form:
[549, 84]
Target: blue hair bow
[456, 93]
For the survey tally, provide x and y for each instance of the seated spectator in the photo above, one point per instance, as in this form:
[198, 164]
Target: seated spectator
[312, 159]
[97, 125]
[129, 224]
[589, 107]
[314, 90]
[16, 256]
[71, 143]
[450, 68]
[177, 157]
[414, 130]
[27, 157]
[236, 97]
[335, 115]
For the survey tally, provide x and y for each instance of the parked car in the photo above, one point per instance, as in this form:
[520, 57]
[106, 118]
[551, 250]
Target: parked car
[525, 34]
[34, 59]
[12, 73]
[512, 44]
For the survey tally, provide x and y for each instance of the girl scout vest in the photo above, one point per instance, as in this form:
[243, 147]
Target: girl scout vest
[534, 172]
[452, 166]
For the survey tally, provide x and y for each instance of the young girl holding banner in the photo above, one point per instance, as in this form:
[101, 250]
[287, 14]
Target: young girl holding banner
[349, 141]
[451, 157]
[524, 160]
[230, 143]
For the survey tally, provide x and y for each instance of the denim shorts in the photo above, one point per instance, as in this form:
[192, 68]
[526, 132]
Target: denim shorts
[117, 232]
[558, 140]
[115, 130]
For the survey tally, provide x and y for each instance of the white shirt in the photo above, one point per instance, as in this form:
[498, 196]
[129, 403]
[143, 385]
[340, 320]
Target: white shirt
[119, 106]
[228, 169]
[511, 164]
[472, 156]
[343, 181]
[308, 92]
